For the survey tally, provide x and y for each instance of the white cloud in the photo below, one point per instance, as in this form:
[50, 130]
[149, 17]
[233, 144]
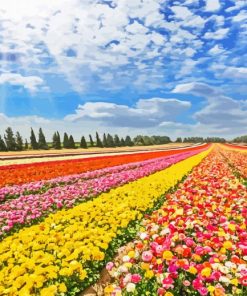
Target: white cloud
[31, 83]
[146, 113]
[221, 112]
[181, 12]
[217, 35]
[216, 50]
[212, 5]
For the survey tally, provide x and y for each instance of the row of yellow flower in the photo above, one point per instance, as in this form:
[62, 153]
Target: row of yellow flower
[38, 260]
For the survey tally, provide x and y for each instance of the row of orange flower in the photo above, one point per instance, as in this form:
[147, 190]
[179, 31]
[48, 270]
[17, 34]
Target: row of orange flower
[25, 173]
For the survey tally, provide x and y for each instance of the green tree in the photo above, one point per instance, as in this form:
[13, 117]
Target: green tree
[178, 140]
[56, 141]
[65, 141]
[33, 140]
[122, 142]
[19, 142]
[42, 141]
[2, 144]
[105, 141]
[10, 139]
[26, 145]
[91, 141]
[110, 141]
[128, 141]
[83, 143]
[71, 142]
[117, 141]
[98, 141]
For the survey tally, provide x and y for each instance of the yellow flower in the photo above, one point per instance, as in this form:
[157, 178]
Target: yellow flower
[144, 266]
[227, 245]
[62, 288]
[232, 227]
[168, 294]
[192, 270]
[206, 272]
[167, 255]
[234, 282]
[131, 254]
[49, 291]
[149, 274]
[211, 289]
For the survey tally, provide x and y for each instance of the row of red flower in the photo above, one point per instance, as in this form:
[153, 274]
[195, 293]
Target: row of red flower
[25, 173]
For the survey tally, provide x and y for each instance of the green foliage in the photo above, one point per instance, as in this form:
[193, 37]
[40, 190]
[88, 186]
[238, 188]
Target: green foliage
[91, 141]
[33, 140]
[71, 142]
[98, 141]
[179, 140]
[10, 139]
[128, 141]
[83, 143]
[116, 141]
[42, 141]
[2, 144]
[56, 141]
[19, 142]
[110, 141]
[105, 141]
[26, 145]
[242, 139]
[65, 141]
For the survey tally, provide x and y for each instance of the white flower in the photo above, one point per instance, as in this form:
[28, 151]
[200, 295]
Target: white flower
[130, 287]
[126, 258]
[224, 279]
[143, 235]
[122, 269]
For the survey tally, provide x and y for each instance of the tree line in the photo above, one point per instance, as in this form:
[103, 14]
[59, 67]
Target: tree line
[241, 139]
[15, 142]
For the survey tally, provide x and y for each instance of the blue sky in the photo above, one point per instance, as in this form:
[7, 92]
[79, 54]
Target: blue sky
[141, 66]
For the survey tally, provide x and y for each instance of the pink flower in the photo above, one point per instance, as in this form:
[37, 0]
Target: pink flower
[197, 284]
[147, 256]
[135, 278]
[109, 265]
[203, 291]
[167, 283]
[186, 283]
[161, 292]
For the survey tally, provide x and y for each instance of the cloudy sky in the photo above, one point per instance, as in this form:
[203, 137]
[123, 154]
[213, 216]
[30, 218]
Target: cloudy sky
[165, 67]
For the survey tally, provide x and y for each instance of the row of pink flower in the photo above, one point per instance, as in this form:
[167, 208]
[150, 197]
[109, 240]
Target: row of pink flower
[14, 191]
[24, 209]
[9, 192]
[196, 244]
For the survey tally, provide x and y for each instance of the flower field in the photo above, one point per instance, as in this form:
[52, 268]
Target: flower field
[161, 223]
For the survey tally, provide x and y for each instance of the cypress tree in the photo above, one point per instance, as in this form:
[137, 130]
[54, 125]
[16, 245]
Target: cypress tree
[98, 141]
[42, 141]
[105, 141]
[71, 142]
[10, 139]
[65, 141]
[128, 141]
[110, 141]
[91, 141]
[59, 146]
[117, 141]
[83, 143]
[2, 144]
[122, 142]
[54, 140]
[26, 145]
[19, 142]
[33, 140]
